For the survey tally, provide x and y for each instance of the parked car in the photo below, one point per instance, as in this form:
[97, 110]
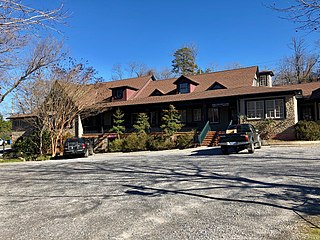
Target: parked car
[78, 147]
[2, 142]
[240, 137]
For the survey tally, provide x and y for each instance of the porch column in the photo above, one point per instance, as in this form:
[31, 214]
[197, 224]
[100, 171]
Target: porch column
[79, 133]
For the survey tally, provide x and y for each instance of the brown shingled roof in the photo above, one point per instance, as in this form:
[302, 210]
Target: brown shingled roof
[228, 78]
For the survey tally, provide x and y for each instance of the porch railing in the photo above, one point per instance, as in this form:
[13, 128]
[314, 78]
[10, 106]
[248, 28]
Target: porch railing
[204, 133]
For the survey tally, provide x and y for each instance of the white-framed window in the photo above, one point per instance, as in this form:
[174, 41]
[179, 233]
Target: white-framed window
[255, 109]
[213, 115]
[263, 80]
[184, 87]
[269, 108]
[196, 115]
[274, 108]
[183, 115]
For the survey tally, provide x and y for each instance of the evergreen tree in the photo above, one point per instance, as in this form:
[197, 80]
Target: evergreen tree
[5, 128]
[184, 61]
[118, 123]
[171, 121]
[142, 124]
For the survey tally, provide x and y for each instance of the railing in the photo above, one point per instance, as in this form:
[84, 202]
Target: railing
[204, 133]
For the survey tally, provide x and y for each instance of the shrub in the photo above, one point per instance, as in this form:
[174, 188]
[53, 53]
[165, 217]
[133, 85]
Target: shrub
[115, 145]
[307, 130]
[135, 142]
[160, 142]
[185, 141]
[266, 128]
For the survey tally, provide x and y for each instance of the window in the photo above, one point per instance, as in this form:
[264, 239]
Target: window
[196, 117]
[184, 88]
[153, 118]
[274, 108]
[263, 80]
[213, 115]
[183, 114]
[255, 109]
[118, 93]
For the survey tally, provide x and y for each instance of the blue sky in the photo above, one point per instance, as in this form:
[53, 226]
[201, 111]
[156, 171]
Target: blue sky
[121, 31]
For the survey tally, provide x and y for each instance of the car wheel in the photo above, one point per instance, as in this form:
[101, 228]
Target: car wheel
[224, 150]
[251, 148]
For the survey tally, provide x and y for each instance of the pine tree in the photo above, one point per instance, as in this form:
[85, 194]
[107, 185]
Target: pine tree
[118, 123]
[171, 121]
[142, 124]
[184, 61]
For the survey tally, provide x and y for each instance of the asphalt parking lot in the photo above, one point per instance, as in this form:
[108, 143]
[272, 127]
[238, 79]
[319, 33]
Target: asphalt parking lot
[177, 194]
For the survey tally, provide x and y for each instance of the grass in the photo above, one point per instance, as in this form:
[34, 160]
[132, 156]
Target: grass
[312, 232]
[11, 160]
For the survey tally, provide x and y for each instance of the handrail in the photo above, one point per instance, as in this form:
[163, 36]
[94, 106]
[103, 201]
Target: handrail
[204, 132]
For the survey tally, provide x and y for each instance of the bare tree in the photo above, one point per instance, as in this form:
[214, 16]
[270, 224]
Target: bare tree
[299, 67]
[303, 12]
[117, 72]
[20, 23]
[44, 54]
[56, 99]
[132, 69]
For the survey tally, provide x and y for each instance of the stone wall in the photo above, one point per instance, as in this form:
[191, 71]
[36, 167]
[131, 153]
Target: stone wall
[282, 129]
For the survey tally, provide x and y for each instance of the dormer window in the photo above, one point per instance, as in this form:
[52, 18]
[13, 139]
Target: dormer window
[118, 93]
[184, 87]
[263, 80]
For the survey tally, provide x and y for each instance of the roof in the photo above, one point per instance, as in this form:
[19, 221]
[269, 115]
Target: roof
[228, 78]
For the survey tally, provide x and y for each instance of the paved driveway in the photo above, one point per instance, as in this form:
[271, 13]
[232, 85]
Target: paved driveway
[180, 194]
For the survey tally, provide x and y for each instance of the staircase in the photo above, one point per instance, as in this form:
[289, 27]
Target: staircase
[211, 139]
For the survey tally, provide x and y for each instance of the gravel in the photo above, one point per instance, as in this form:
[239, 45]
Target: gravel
[176, 194]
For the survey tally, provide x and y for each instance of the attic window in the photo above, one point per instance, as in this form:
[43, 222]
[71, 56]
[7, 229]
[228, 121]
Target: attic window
[184, 87]
[263, 80]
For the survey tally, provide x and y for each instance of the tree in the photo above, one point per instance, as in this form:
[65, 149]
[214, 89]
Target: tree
[184, 61]
[142, 124]
[299, 67]
[118, 123]
[303, 12]
[20, 23]
[171, 121]
[55, 98]
[5, 128]
[132, 69]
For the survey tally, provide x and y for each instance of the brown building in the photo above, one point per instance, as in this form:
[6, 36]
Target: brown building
[239, 95]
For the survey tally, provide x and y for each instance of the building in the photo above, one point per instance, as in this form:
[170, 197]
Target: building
[214, 99]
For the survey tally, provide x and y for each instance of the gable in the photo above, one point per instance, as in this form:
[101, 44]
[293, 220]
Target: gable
[184, 79]
[216, 86]
[156, 92]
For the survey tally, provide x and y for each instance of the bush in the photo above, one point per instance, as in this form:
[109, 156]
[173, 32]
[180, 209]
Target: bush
[160, 142]
[266, 128]
[307, 130]
[185, 141]
[135, 142]
[28, 147]
[115, 145]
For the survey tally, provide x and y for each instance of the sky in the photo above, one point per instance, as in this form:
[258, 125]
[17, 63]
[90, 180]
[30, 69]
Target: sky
[109, 32]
